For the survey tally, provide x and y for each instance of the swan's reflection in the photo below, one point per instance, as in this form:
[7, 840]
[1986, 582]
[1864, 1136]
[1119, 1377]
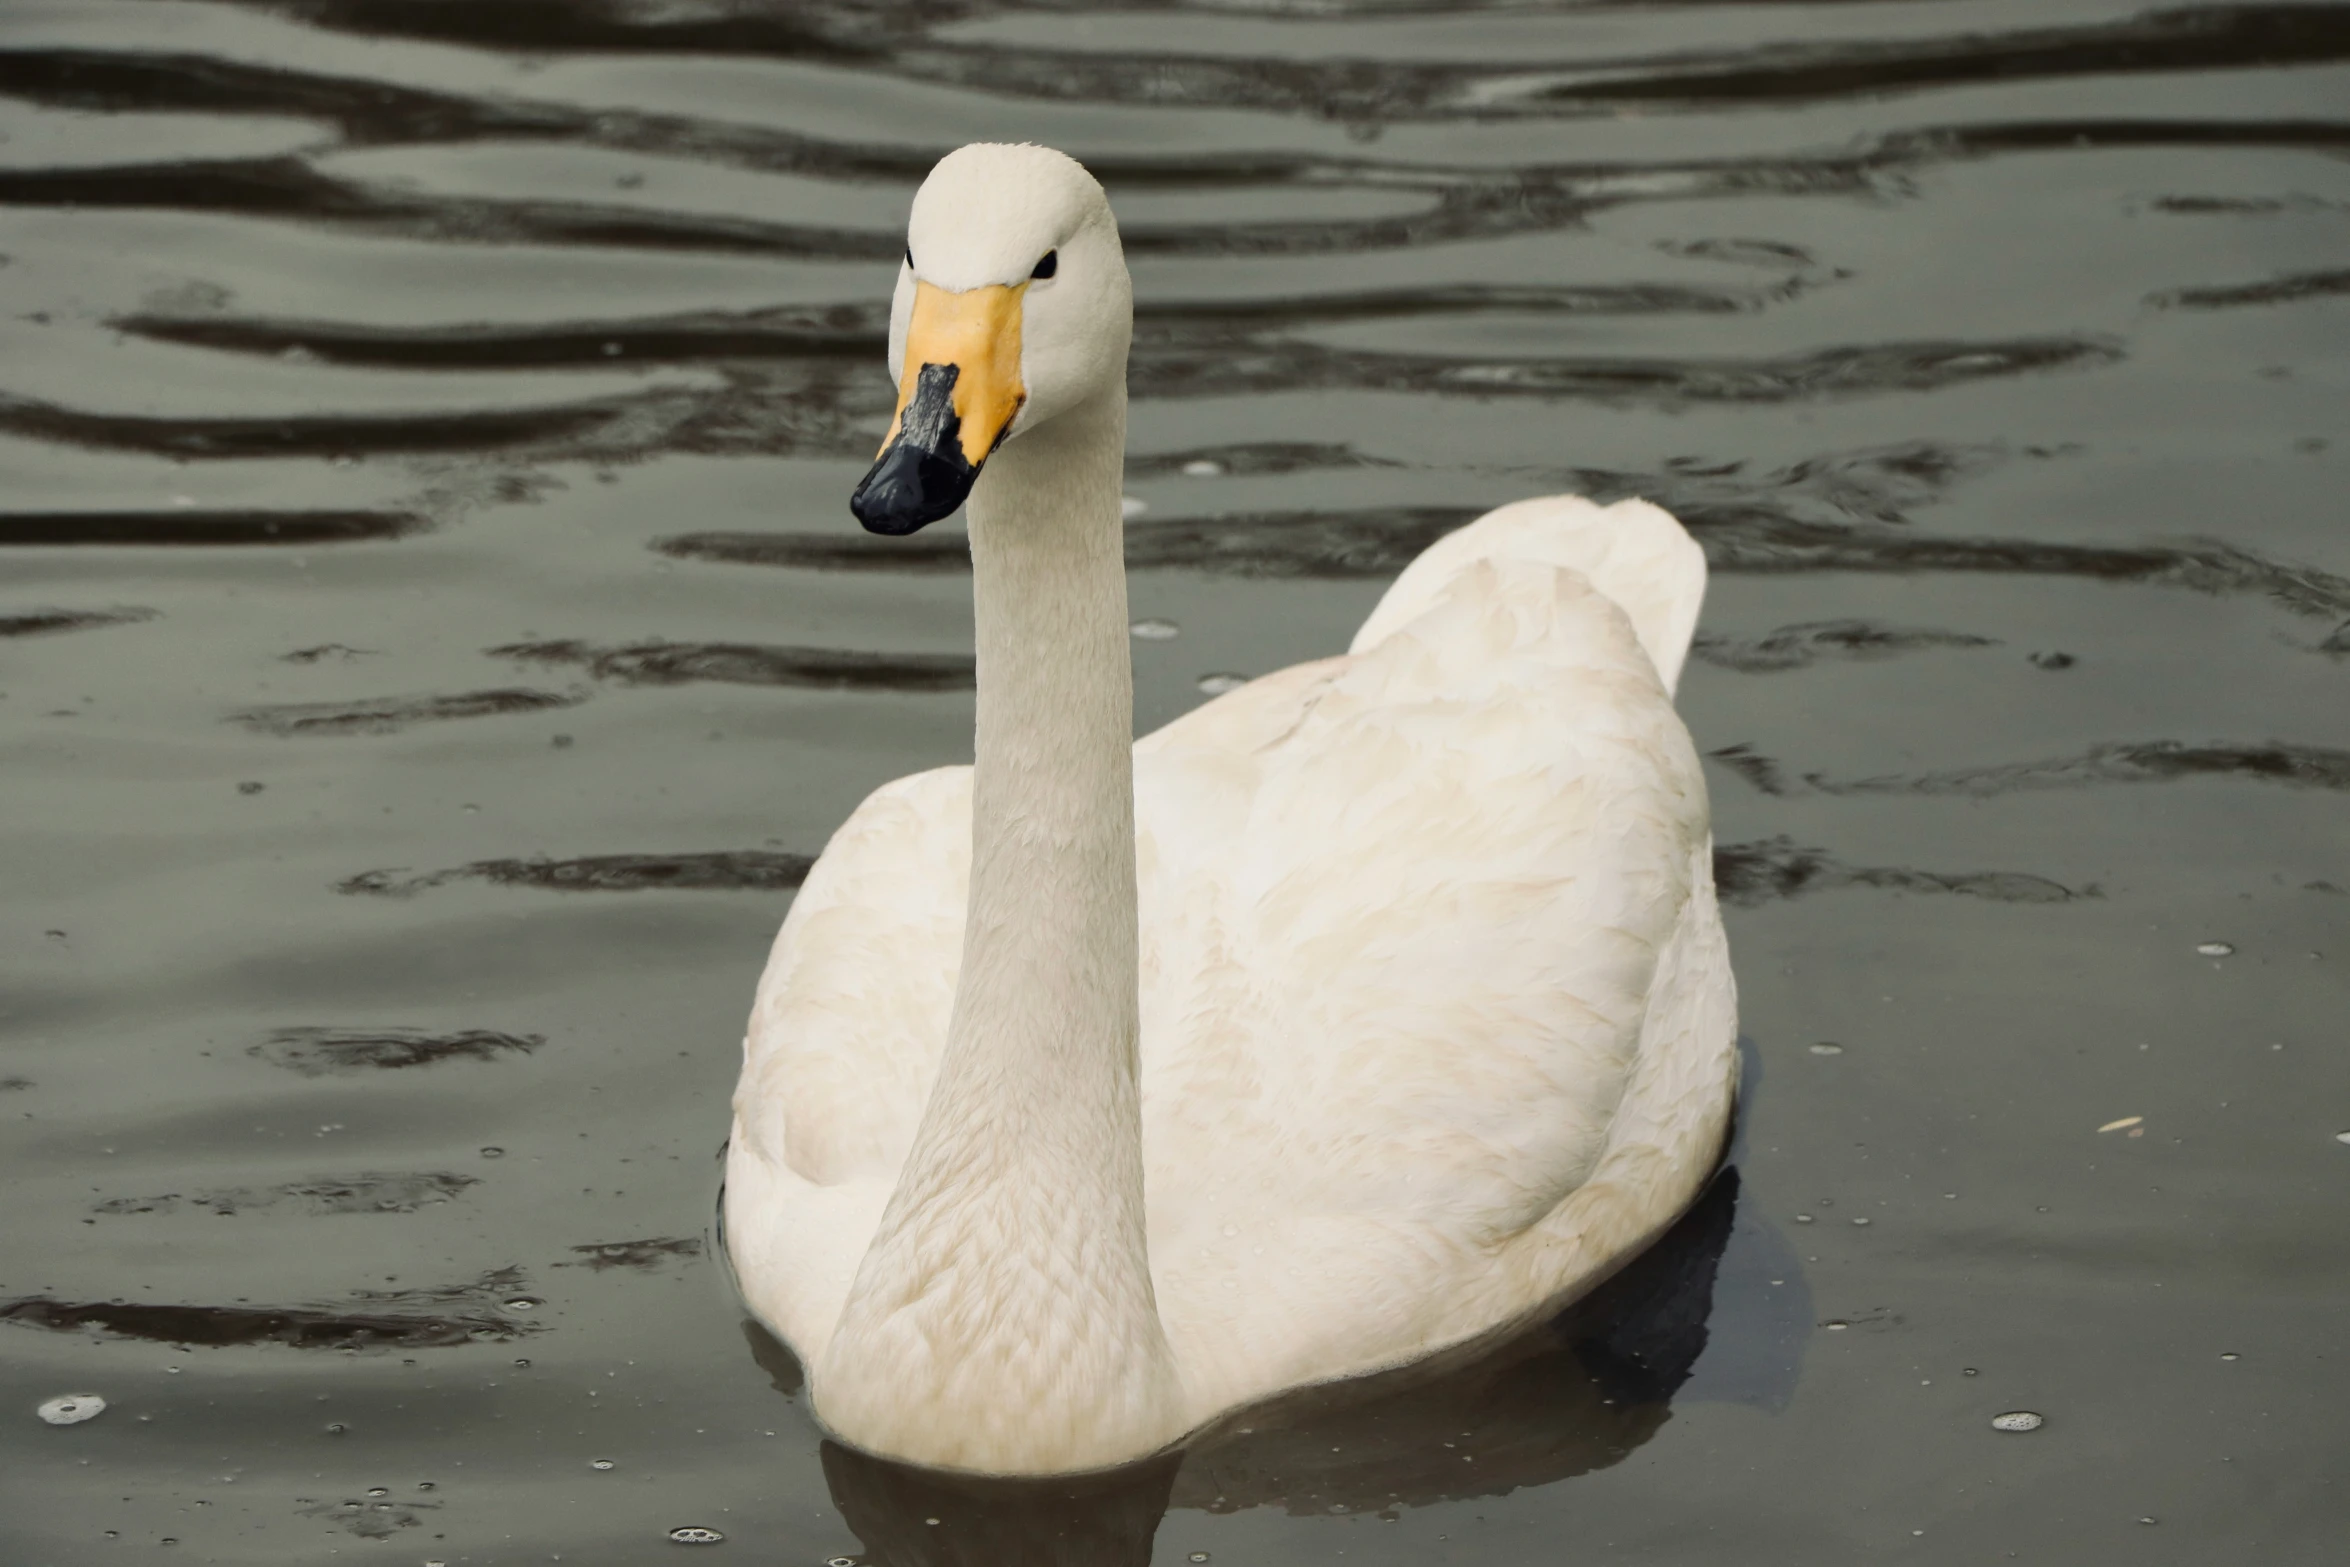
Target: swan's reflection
[922, 1518]
[1578, 1393]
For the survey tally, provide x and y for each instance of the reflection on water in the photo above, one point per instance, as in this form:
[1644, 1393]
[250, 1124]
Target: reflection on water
[434, 643]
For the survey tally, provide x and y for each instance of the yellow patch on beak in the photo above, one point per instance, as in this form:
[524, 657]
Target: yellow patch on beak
[978, 332]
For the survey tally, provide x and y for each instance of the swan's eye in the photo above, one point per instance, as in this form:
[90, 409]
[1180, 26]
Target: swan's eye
[1048, 266]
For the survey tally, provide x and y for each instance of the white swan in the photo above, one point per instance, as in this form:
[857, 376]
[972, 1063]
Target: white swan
[1425, 1023]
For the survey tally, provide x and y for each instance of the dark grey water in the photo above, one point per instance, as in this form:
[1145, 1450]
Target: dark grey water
[433, 636]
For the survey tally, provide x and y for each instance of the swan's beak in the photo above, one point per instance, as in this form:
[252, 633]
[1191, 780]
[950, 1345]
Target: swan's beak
[960, 391]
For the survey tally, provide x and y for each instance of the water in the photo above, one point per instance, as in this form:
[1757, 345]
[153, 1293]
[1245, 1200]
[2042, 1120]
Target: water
[433, 639]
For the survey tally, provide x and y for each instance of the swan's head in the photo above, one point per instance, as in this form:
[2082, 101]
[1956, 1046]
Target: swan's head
[1013, 307]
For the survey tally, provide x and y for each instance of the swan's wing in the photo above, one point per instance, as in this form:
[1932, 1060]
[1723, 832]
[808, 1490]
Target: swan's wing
[1407, 917]
[1634, 553]
[843, 1046]
[852, 1008]
[1670, 1128]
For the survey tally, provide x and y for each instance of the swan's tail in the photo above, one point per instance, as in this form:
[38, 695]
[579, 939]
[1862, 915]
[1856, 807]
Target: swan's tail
[1632, 552]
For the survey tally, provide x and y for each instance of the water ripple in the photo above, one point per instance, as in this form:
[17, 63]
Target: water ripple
[322, 1052]
[2119, 762]
[371, 1193]
[388, 714]
[48, 622]
[368, 1319]
[1800, 646]
[2276, 291]
[725, 870]
[199, 528]
[643, 1256]
[1749, 875]
[751, 664]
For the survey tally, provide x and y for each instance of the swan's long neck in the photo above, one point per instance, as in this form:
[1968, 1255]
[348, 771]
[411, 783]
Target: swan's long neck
[1003, 1316]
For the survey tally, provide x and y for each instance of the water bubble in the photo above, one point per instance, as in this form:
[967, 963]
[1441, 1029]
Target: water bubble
[426, 1485]
[522, 1303]
[2145, 1520]
[2342, 1137]
[493, 1153]
[1835, 1327]
[1154, 630]
[840, 1561]
[1803, 1218]
[1968, 1371]
[378, 1490]
[1197, 1556]
[2017, 1420]
[1130, 508]
[2230, 1355]
[2216, 949]
[601, 1463]
[71, 1409]
[1218, 684]
[694, 1534]
[1860, 1221]
[1825, 1048]
[336, 1428]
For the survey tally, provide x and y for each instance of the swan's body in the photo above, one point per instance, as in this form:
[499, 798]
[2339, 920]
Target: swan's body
[1397, 1011]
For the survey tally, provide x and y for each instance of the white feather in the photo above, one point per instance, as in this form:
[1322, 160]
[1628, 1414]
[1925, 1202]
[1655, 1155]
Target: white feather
[1436, 1022]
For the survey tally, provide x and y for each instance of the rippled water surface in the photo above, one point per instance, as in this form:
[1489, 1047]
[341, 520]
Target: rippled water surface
[433, 640]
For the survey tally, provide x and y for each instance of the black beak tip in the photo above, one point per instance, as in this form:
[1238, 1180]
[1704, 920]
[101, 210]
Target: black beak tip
[910, 488]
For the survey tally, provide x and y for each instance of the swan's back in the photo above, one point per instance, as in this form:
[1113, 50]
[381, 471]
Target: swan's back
[1405, 918]
[1634, 553]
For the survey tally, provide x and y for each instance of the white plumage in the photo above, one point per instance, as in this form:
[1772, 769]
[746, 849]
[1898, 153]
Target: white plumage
[1436, 1017]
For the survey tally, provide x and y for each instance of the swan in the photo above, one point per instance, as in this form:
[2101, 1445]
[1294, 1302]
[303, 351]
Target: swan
[1103, 1087]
